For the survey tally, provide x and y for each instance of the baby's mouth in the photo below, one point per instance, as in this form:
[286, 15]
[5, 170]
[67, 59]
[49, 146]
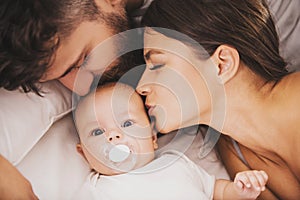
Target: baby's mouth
[119, 153]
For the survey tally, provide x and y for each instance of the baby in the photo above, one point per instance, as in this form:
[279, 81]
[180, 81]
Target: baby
[119, 144]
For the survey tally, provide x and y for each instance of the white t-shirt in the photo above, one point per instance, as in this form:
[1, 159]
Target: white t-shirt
[172, 176]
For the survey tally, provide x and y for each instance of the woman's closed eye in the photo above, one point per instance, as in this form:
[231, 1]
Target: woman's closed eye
[155, 66]
[97, 132]
[155, 59]
[127, 123]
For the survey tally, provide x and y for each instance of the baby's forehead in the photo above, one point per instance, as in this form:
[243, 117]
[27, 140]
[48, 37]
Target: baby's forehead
[116, 88]
[112, 94]
[118, 91]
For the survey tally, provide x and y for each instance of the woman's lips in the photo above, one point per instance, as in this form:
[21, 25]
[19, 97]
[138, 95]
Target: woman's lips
[150, 109]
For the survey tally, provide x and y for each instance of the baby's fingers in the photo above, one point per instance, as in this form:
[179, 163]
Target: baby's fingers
[243, 178]
[262, 179]
[252, 179]
[257, 180]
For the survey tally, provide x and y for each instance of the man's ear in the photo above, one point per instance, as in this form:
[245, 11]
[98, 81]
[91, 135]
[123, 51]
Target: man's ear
[227, 61]
[116, 2]
[109, 5]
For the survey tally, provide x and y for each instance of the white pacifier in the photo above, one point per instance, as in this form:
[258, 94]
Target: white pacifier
[119, 153]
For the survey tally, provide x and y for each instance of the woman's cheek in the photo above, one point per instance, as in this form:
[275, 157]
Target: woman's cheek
[167, 118]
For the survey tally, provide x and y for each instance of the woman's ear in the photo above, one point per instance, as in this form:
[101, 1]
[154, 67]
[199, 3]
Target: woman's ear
[227, 60]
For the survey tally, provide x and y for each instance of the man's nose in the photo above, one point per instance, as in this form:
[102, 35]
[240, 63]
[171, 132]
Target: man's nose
[79, 81]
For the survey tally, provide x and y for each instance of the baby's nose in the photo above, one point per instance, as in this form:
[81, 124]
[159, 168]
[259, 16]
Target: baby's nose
[113, 136]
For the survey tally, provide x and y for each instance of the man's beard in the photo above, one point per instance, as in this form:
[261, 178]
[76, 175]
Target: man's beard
[117, 22]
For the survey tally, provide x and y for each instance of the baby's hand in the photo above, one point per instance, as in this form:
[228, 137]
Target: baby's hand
[250, 183]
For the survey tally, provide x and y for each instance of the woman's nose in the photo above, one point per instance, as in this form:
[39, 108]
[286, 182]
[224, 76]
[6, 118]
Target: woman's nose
[143, 89]
[114, 136]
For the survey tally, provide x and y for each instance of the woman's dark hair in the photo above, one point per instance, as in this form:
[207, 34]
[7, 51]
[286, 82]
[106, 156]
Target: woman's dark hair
[246, 25]
[30, 32]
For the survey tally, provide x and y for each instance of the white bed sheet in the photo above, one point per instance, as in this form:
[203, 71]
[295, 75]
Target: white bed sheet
[53, 166]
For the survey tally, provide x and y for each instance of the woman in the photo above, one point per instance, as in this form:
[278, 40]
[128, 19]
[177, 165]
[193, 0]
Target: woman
[225, 71]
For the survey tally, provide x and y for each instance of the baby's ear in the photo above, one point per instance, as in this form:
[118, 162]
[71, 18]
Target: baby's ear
[154, 138]
[79, 150]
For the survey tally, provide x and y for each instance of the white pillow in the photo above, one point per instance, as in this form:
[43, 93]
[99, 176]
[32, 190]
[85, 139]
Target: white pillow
[54, 167]
[26, 117]
[286, 15]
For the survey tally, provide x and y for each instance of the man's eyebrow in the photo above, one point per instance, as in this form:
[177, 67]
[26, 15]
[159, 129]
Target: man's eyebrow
[73, 65]
[150, 53]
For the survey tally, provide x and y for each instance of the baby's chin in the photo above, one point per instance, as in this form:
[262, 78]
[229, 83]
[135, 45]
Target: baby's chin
[144, 160]
[141, 162]
[110, 171]
[114, 173]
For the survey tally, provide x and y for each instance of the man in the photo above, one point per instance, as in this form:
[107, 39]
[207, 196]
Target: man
[50, 39]
[45, 40]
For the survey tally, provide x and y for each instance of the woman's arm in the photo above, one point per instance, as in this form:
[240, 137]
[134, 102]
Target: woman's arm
[13, 184]
[234, 165]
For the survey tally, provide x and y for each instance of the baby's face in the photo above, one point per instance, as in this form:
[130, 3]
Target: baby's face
[114, 129]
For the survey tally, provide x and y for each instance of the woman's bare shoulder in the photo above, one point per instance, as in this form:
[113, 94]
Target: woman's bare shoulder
[289, 89]
[294, 80]
[287, 105]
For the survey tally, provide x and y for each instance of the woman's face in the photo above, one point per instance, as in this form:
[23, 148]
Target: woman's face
[176, 92]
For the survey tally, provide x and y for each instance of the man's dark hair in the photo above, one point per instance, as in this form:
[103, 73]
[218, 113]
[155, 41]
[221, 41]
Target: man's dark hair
[31, 31]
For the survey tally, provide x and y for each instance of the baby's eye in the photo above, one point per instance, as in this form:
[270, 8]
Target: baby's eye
[98, 131]
[127, 123]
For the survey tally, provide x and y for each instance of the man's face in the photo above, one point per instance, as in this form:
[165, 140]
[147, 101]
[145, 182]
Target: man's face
[69, 61]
